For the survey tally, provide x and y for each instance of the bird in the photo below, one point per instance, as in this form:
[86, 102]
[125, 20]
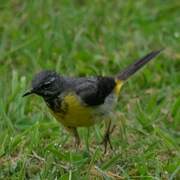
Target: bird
[84, 101]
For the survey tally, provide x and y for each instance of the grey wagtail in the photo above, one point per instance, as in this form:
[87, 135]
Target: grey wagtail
[83, 101]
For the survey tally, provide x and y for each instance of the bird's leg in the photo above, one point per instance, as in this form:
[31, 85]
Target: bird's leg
[74, 132]
[77, 138]
[106, 139]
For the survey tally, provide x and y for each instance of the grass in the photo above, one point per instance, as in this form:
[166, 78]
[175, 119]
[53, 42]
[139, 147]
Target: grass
[90, 38]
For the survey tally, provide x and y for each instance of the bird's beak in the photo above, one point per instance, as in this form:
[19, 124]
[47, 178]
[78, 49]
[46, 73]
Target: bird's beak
[28, 93]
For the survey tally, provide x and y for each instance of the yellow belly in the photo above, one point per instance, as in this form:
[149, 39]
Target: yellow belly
[78, 114]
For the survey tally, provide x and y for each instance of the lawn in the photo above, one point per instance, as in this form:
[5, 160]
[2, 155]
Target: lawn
[89, 38]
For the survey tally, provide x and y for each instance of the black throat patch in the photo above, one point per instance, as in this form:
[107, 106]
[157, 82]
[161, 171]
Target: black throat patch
[57, 105]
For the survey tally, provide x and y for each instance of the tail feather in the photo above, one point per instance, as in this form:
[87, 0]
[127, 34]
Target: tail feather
[130, 70]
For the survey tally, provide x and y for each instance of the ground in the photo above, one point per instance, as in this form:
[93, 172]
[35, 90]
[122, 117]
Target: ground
[86, 38]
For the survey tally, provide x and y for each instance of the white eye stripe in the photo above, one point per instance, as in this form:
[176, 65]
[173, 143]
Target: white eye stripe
[50, 81]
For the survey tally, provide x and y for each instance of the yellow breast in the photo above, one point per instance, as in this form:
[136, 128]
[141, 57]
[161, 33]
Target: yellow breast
[76, 113]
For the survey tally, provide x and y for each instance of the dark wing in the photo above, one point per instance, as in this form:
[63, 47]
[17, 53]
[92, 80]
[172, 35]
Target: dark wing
[93, 91]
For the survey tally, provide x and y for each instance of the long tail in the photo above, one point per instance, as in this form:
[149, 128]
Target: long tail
[130, 70]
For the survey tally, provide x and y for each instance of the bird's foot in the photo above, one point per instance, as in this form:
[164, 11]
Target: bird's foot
[77, 144]
[106, 139]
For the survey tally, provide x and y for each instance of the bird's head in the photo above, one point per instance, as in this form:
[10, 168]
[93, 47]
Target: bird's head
[46, 84]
